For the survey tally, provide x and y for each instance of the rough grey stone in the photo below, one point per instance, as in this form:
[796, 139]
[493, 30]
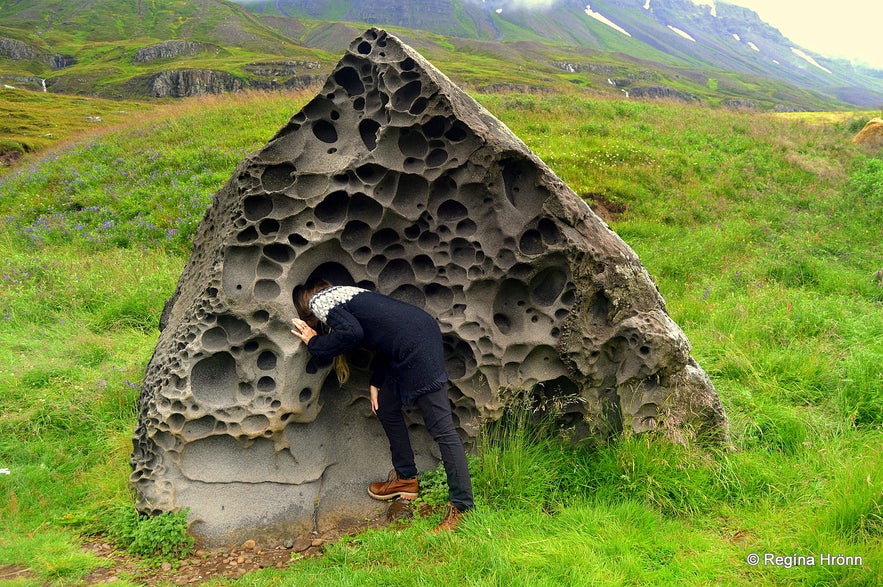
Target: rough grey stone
[393, 179]
[173, 49]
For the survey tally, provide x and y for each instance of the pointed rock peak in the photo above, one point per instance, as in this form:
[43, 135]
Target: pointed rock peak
[394, 180]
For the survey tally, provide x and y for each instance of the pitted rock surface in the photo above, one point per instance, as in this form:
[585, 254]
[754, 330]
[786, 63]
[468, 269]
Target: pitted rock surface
[393, 179]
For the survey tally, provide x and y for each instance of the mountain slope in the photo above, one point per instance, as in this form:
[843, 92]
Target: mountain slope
[676, 32]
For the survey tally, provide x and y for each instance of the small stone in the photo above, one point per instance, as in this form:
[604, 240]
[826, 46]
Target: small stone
[317, 542]
[166, 567]
[249, 545]
[301, 544]
[289, 543]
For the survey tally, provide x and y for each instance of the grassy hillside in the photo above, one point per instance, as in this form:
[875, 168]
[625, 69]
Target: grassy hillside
[762, 232]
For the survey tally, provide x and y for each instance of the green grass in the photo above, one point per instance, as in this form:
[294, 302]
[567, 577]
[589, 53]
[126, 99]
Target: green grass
[762, 232]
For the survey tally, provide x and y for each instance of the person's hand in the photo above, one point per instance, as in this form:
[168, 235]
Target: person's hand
[375, 403]
[302, 330]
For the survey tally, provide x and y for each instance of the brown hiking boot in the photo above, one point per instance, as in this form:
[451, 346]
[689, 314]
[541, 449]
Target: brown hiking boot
[394, 487]
[450, 520]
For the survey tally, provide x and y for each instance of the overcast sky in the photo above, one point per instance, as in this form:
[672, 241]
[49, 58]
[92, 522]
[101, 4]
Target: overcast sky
[833, 28]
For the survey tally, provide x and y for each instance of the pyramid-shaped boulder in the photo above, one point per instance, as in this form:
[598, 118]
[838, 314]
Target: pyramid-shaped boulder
[393, 179]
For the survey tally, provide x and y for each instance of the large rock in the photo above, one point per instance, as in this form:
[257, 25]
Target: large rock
[394, 179]
[871, 136]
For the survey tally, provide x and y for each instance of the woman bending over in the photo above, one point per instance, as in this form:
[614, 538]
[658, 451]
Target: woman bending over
[409, 370]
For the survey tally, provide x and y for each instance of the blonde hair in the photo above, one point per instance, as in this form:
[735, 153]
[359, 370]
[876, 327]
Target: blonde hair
[302, 296]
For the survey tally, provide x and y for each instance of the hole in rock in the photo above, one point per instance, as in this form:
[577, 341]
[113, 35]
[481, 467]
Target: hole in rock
[436, 127]
[365, 208]
[362, 254]
[439, 296]
[266, 384]
[407, 64]
[547, 285]
[412, 232]
[237, 330]
[248, 235]
[199, 428]
[255, 424]
[549, 231]
[333, 272]
[412, 165]
[459, 357]
[269, 226]
[278, 252]
[428, 241]
[462, 252]
[276, 178]
[266, 361]
[364, 48]
[502, 322]
[332, 210]
[214, 339]
[412, 143]
[436, 157]
[457, 132]
[368, 132]
[419, 106]
[359, 104]
[370, 173]
[384, 238]
[404, 97]
[644, 350]
[410, 294]
[376, 264]
[305, 395]
[424, 267]
[508, 305]
[396, 272]
[213, 380]
[355, 234]
[297, 240]
[257, 207]
[531, 243]
[451, 210]
[466, 227]
[599, 306]
[266, 289]
[325, 131]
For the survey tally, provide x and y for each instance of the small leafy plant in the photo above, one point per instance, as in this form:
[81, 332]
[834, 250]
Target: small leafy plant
[164, 536]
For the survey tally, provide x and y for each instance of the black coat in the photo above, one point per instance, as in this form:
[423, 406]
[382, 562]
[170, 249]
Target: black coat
[407, 339]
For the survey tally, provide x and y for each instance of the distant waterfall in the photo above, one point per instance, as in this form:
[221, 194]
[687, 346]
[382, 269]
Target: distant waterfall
[43, 83]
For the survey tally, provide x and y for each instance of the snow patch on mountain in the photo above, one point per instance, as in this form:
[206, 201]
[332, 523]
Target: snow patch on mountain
[601, 18]
[809, 59]
[682, 33]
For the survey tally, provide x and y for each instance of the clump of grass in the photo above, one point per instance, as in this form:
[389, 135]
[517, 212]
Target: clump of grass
[855, 500]
[523, 458]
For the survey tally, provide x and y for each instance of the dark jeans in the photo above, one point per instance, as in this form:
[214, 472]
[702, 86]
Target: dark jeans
[436, 410]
